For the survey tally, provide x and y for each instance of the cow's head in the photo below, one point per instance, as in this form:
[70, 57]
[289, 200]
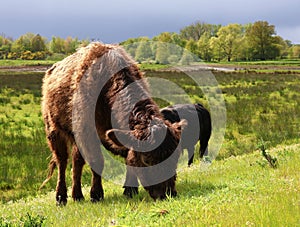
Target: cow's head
[153, 153]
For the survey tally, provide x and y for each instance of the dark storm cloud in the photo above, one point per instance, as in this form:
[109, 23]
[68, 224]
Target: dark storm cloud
[117, 20]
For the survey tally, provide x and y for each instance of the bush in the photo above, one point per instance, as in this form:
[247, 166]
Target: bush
[56, 57]
[174, 59]
[13, 55]
[28, 55]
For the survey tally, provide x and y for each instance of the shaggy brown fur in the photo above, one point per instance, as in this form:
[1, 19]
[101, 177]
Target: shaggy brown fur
[140, 122]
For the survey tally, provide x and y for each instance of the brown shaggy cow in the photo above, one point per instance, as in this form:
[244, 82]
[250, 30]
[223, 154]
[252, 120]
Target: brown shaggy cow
[125, 117]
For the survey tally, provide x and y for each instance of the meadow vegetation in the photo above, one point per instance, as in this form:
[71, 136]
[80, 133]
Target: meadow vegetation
[20, 62]
[239, 188]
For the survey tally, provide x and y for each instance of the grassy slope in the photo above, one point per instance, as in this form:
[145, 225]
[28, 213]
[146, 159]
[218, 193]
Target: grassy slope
[238, 191]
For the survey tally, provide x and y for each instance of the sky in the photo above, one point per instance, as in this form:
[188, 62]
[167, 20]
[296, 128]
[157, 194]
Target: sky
[113, 21]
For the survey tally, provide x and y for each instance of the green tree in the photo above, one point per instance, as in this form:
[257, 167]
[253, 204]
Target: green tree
[191, 46]
[280, 47]
[5, 46]
[57, 45]
[38, 43]
[294, 52]
[204, 47]
[162, 53]
[229, 38]
[196, 30]
[165, 37]
[131, 45]
[217, 50]
[177, 40]
[260, 37]
[143, 52]
[23, 43]
[243, 52]
[187, 58]
[70, 45]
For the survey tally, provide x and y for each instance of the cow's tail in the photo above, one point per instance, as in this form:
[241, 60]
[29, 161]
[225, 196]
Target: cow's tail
[51, 168]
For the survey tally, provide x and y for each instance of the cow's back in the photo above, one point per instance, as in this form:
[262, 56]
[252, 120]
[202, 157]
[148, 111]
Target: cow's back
[61, 82]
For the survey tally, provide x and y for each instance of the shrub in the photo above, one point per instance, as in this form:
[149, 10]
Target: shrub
[32, 221]
[55, 57]
[28, 55]
[13, 55]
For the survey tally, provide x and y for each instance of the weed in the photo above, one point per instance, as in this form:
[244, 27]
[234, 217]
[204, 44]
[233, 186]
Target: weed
[5, 223]
[4, 186]
[32, 221]
[25, 101]
[271, 160]
[4, 100]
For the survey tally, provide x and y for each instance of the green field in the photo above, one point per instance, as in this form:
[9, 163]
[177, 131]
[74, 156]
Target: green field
[10, 63]
[238, 189]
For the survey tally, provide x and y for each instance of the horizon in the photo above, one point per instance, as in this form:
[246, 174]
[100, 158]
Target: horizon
[116, 21]
[98, 39]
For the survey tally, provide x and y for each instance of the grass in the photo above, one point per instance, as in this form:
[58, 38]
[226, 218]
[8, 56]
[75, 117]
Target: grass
[283, 62]
[238, 189]
[258, 106]
[148, 66]
[263, 67]
[288, 62]
[23, 145]
[26, 62]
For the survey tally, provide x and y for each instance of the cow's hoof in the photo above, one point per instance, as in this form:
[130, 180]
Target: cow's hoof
[61, 201]
[130, 191]
[97, 197]
[96, 200]
[78, 199]
[173, 193]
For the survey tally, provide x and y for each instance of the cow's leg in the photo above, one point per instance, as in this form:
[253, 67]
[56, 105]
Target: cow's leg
[77, 165]
[191, 151]
[171, 190]
[96, 189]
[131, 183]
[58, 145]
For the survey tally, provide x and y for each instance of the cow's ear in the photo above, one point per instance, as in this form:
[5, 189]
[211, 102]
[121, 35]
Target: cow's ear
[180, 125]
[119, 138]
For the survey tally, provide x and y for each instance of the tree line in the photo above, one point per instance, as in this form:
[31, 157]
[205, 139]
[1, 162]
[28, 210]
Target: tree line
[233, 42]
[35, 47]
